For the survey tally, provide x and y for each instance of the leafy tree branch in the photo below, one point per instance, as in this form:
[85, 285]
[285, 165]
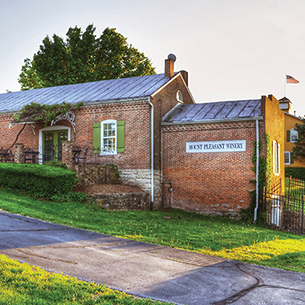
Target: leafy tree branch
[83, 57]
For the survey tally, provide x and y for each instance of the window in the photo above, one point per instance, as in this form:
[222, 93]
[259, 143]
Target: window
[276, 158]
[108, 137]
[293, 135]
[179, 96]
[287, 157]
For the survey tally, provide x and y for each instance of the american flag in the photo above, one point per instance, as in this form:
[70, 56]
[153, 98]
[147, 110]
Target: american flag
[291, 80]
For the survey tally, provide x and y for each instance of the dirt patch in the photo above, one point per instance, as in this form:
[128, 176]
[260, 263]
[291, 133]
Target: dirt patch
[108, 189]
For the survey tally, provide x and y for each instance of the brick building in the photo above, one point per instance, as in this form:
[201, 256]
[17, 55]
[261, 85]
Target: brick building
[208, 150]
[119, 121]
[194, 156]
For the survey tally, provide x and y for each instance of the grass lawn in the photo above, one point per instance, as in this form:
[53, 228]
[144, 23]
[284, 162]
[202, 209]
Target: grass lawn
[217, 236]
[25, 284]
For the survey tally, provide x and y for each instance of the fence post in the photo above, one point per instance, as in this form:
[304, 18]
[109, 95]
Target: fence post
[289, 185]
[302, 215]
[263, 199]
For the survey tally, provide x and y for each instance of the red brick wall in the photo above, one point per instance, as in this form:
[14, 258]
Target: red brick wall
[136, 116]
[137, 131]
[209, 182]
[8, 135]
[164, 101]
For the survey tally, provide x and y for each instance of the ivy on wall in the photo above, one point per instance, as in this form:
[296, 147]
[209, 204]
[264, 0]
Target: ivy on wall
[264, 179]
[269, 168]
[35, 112]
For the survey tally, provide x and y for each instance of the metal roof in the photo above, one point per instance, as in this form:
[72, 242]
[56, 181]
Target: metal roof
[214, 111]
[99, 91]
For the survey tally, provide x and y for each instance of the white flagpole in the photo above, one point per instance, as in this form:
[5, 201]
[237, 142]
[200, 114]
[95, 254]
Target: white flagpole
[285, 84]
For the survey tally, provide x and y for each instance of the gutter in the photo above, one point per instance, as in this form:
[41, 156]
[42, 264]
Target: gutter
[257, 171]
[151, 152]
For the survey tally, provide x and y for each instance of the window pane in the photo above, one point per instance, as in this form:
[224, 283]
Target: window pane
[112, 129]
[293, 135]
[109, 144]
[109, 130]
[287, 157]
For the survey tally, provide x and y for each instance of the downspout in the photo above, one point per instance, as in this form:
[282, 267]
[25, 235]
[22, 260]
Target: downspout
[151, 152]
[257, 170]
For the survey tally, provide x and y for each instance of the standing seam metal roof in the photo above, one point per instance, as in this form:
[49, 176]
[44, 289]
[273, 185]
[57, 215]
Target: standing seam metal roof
[214, 111]
[113, 89]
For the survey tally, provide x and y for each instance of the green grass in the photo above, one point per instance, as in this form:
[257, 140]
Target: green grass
[189, 231]
[291, 261]
[25, 284]
[297, 188]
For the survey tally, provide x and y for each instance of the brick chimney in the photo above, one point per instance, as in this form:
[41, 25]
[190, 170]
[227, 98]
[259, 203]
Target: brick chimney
[169, 66]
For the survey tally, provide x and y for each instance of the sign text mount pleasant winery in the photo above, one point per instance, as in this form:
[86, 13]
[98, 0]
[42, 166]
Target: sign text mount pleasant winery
[216, 146]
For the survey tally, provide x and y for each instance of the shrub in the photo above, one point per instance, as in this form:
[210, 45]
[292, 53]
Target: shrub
[295, 172]
[37, 180]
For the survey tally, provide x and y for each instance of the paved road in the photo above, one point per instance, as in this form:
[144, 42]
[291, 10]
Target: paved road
[145, 269]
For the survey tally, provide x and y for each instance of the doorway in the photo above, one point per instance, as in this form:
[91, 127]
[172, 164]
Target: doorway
[52, 145]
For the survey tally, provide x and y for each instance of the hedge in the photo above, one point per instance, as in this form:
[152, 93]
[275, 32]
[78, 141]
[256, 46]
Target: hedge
[37, 180]
[295, 172]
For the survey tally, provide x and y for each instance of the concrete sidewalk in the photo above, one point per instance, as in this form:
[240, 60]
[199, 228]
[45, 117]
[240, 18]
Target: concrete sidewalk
[147, 270]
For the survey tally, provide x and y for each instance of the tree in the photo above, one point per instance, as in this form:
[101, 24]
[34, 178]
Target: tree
[28, 77]
[83, 58]
[299, 146]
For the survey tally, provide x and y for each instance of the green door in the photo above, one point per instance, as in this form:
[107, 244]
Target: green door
[52, 145]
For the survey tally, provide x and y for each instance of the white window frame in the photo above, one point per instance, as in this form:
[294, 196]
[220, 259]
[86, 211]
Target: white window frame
[179, 96]
[292, 130]
[50, 128]
[103, 152]
[288, 154]
[276, 158]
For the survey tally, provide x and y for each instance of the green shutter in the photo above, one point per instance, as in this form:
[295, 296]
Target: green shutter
[288, 135]
[120, 136]
[291, 158]
[96, 138]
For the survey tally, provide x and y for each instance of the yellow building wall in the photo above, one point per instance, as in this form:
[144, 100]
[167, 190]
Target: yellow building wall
[274, 127]
[290, 122]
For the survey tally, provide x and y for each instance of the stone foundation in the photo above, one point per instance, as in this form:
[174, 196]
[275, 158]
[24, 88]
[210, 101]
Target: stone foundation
[96, 174]
[103, 174]
[123, 201]
[142, 179]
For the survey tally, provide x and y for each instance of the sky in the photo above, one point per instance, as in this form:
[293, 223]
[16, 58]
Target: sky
[232, 49]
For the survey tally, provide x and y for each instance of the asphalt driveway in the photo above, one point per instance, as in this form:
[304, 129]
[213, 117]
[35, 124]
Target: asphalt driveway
[144, 269]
